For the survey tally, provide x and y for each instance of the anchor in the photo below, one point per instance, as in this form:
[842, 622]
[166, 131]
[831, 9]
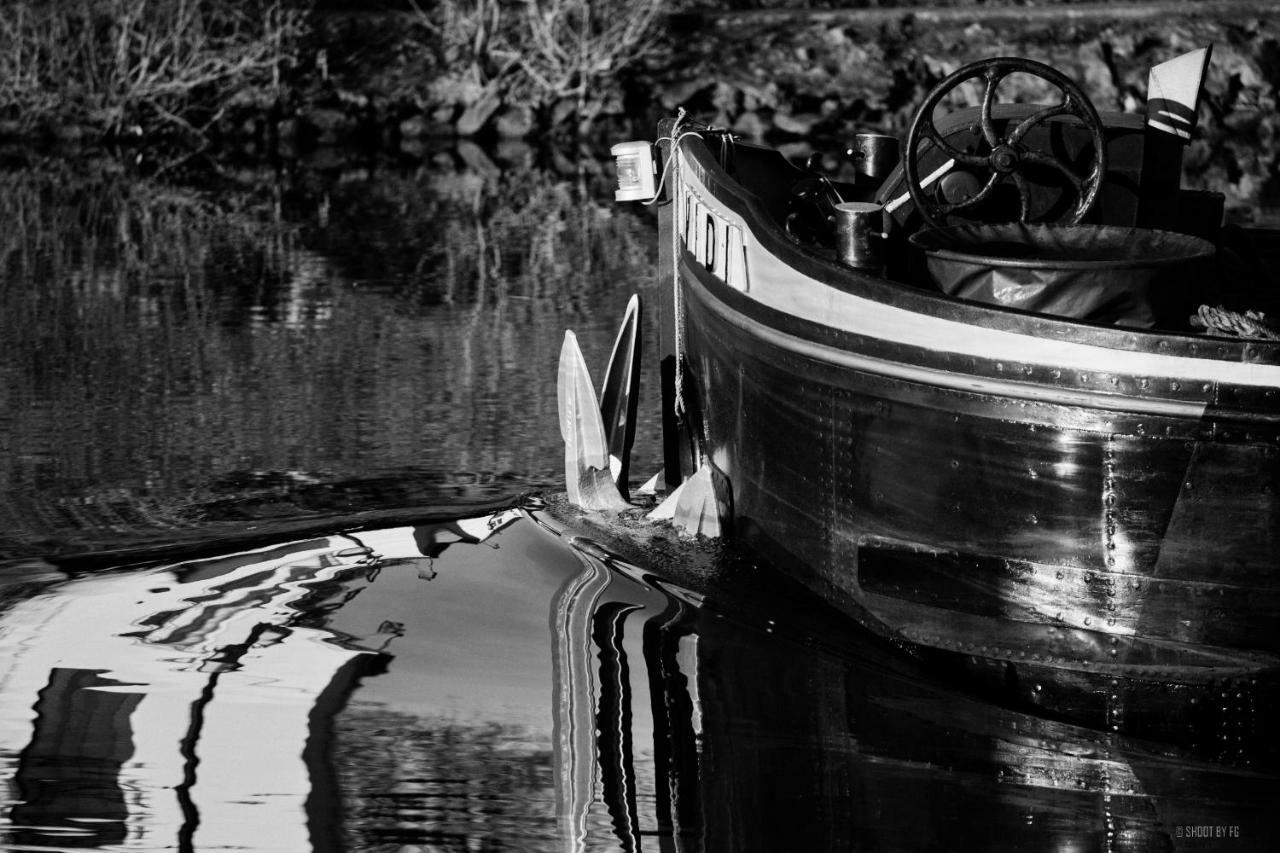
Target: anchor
[596, 458]
[599, 433]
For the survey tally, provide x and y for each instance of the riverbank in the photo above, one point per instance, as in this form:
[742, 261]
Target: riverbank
[403, 83]
[813, 76]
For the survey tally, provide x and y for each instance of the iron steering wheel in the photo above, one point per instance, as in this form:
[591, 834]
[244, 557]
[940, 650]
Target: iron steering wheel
[1009, 156]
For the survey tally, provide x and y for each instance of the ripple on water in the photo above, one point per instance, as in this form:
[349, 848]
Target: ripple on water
[466, 684]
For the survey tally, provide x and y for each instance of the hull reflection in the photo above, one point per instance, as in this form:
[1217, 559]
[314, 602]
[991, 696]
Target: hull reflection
[191, 706]
[785, 730]
[502, 684]
[145, 686]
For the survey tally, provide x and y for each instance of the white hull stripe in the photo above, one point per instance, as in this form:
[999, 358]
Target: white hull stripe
[948, 379]
[774, 283]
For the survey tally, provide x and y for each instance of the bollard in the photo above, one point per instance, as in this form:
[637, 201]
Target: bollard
[874, 154]
[860, 235]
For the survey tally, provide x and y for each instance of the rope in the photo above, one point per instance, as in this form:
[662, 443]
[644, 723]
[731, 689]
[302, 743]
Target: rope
[671, 167]
[1251, 324]
[675, 139]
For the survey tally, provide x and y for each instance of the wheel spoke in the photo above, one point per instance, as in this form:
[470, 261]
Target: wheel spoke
[964, 157]
[1024, 196]
[994, 76]
[1041, 159]
[1038, 116]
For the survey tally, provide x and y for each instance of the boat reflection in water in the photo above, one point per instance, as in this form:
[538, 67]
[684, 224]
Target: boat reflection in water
[496, 683]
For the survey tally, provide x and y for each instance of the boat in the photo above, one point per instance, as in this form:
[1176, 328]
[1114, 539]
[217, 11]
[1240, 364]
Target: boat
[1003, 391]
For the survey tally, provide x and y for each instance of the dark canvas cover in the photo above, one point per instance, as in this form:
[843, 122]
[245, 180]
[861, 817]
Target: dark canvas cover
[1104, 274]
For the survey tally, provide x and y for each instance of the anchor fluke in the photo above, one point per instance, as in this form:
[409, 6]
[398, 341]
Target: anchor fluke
[588, 478]
[619, 394]
[702, 505]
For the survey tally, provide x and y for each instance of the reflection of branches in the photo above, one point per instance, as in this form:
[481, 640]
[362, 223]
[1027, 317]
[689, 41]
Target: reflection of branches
[148, 342]
[112, 283]
[522, 234]
[112, 233]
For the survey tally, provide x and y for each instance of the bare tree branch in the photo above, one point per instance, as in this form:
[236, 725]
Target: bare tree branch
[128, 59]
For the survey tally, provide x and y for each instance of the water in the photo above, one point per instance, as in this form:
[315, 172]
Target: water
[281, 345]
[523, 690]
[267, 580]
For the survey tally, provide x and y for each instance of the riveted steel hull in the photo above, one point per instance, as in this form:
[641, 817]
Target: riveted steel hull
[1076, 511]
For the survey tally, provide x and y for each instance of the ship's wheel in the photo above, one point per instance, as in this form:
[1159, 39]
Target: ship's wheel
[1003, 154]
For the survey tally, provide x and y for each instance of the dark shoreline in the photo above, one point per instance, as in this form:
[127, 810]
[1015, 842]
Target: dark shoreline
[365, 85]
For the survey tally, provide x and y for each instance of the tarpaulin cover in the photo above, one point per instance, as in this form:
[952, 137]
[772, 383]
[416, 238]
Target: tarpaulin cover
[1104, 274]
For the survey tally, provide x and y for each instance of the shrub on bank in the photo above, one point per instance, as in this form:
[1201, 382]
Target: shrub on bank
[517, 68]
[558, 59]
[134, 66]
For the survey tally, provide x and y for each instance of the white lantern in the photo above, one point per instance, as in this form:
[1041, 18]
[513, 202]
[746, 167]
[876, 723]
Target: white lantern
[636, 170]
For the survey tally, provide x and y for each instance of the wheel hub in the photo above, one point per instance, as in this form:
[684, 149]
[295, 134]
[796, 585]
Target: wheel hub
[1004, 159]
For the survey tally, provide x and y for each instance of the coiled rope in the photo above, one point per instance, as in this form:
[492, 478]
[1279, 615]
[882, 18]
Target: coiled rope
[1216, 320]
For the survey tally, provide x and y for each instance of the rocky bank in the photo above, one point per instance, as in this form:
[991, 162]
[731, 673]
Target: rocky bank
[397, 84]
[788, 77]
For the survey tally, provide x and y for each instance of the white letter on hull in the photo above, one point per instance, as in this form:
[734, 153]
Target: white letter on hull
[713, 241]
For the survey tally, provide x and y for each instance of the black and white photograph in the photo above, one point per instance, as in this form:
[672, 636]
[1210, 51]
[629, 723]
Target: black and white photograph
[640, 426]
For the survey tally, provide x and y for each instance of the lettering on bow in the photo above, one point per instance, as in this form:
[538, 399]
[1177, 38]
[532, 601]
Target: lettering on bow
[715, 242]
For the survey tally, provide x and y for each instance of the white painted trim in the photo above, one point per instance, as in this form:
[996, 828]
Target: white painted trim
[1029, 391]
[1160, 124]
[774, 283]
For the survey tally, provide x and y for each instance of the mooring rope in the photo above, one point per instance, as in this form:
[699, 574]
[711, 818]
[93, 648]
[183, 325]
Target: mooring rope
[675, 139]
[671, 167]
[1251, 324]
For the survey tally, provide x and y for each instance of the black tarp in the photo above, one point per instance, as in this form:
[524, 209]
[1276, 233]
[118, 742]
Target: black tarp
[1104, 274]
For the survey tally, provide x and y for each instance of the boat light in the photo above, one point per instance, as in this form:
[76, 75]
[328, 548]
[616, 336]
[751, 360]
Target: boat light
[635, 171]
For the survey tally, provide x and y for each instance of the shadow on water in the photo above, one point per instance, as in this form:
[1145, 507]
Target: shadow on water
[498, 683]
[280, 345]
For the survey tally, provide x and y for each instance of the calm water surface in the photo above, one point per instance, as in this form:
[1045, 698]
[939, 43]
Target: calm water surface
[266, 583]
[287, 344]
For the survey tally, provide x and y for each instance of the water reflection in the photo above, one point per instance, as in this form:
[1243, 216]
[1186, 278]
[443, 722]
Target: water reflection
[266, 344]
[498, 684]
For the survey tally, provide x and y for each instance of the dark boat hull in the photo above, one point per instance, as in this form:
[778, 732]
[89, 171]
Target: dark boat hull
[1091, 508]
